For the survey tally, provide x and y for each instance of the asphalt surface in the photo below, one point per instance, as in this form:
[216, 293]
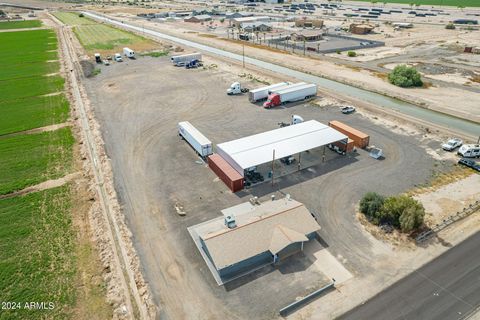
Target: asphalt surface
[446, 288]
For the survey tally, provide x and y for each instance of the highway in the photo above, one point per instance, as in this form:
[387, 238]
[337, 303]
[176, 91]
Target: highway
[446, 288]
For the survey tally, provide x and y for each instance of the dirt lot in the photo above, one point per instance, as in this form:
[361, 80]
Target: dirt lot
[138, 104]
[436, 98]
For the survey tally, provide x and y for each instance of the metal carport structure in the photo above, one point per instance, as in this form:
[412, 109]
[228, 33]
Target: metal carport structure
[276, 144]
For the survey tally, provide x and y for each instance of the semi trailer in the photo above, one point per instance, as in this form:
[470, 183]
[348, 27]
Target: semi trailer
[291, 94]
[184, 59]
[195, 138]
[262, 93]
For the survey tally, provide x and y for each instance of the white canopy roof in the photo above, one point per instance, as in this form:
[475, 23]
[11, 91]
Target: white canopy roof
[254, 150]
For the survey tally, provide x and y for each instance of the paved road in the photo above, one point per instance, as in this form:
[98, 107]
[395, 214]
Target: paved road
[446, 288]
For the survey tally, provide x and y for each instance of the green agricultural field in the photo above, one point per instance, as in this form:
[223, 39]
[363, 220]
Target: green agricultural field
[37, 253]
[27, 80]
[29, 159]
[30, 87]
[30, 113]
[20, 24]
[453, 3]
[73, 18]
[102, 38]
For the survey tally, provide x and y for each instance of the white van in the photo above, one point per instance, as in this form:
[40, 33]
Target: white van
[469, 150]
[117, 57]
[129, 53]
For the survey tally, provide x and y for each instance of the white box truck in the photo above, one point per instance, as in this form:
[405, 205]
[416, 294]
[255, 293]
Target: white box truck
[291, 94]
[129, 53]
[184, 59]
[262, 93]
[195, 138]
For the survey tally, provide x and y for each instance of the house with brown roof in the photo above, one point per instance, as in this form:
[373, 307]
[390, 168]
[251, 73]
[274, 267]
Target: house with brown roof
[251, 235]
[307, 35]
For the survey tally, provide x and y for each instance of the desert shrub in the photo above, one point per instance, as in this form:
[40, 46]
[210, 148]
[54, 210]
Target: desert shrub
[352, 54]
[405, 76]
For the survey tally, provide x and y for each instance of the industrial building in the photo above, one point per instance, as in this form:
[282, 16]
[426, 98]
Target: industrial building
[307, 35]
[256, 26]
[308, 23]
[198, 19]
[237, 22]
[252, 234]
[249, 152]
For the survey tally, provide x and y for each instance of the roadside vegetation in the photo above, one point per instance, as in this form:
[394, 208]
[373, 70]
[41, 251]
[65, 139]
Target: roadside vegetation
[20, 24]
[401, 212]
[99, 37]
[405, 77]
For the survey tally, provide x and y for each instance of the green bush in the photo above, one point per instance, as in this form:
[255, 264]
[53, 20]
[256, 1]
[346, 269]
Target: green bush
[371, 205]
[81, 15]
[352, 54]
[405, 77]
[450, 26]
[402, 212]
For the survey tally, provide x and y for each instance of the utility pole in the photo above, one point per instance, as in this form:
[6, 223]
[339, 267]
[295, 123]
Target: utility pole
[303, 46]
[273, 162]
[243, 54]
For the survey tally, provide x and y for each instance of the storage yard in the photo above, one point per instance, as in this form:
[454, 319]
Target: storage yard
[231, 184]
[162, 196]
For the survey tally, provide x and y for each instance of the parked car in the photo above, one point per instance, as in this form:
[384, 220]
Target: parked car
[118, 57]
[469, 163]
[347, 109]
[106, 62]
[452, 144]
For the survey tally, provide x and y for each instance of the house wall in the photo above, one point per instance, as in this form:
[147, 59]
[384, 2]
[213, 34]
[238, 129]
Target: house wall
[246, 265]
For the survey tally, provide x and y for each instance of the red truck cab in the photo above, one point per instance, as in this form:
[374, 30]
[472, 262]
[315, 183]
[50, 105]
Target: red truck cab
[273, 101]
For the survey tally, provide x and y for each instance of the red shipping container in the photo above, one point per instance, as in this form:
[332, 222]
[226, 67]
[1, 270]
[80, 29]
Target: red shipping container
[345, 147]
[360, 139]
[225, 172]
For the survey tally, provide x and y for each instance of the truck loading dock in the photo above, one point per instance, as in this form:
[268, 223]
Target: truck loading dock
[251, 235]
[245, 155]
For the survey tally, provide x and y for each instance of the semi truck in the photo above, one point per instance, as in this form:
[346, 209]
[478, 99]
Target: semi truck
[295, 93]
[184, 59]
[129, 53]
[236, 88]
[262, 93]
[195, 138]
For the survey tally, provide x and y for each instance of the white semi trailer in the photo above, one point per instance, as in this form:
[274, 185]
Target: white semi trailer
[195, 138]
[184, 59]
[262, 93]
[290, 94]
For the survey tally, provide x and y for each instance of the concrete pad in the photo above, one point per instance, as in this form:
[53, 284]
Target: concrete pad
[326, 262]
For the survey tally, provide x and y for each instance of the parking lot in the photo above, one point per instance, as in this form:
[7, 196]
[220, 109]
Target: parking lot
[139, 103]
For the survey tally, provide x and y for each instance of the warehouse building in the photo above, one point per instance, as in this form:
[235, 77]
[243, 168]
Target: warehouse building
[307, 35]
[308, 23]
[249, 152]
[252, 235]
[199, 18]
[237, 22]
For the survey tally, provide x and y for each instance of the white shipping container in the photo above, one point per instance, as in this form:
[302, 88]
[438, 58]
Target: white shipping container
[186, 58]
[195, 138]
[262, 93]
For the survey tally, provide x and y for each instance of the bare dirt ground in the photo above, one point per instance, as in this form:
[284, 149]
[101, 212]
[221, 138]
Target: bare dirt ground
[139, 130]
[433, 97]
